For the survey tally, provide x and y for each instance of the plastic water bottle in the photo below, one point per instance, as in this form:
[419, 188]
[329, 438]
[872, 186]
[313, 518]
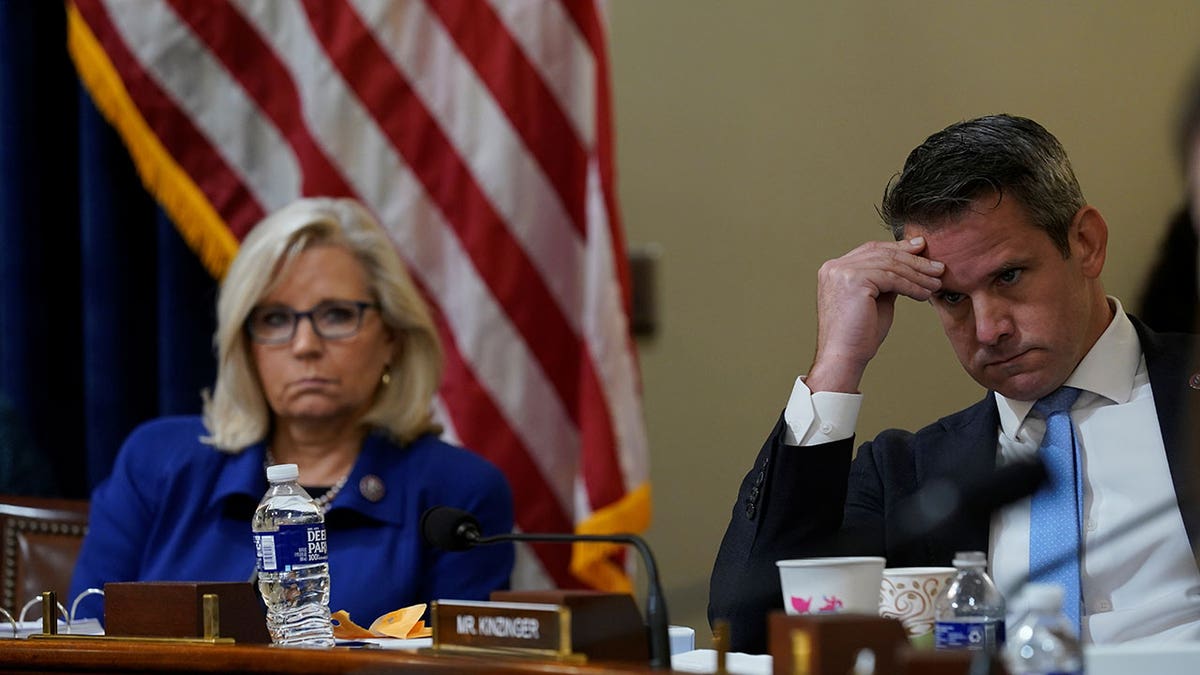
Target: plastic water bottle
[969, 614]
[293, 567]
[1043, 642]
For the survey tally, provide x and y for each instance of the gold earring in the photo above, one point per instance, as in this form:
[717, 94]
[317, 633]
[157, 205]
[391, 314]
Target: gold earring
[386, 378]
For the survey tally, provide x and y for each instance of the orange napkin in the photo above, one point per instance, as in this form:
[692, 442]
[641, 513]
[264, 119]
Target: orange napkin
[403, 623]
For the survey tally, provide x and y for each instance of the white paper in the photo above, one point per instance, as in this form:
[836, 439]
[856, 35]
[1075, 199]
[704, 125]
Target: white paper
[389, 643]
[27, 628]
[705, 661]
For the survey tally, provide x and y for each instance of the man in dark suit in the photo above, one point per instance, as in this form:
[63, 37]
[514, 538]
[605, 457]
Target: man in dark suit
[992, 229]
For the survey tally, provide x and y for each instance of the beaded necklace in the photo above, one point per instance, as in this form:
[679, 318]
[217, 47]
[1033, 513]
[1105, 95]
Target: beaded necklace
[324, 500]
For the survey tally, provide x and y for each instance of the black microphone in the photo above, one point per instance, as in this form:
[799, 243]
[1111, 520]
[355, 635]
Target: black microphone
[942, 501]
[450, 529]
[453, 529]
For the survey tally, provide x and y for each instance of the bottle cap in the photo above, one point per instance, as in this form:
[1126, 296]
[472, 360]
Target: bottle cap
[970, 559]
[1043, 597]
[281, 473]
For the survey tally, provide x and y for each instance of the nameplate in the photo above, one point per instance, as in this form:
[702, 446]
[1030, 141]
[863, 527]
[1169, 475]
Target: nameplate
[521, 628]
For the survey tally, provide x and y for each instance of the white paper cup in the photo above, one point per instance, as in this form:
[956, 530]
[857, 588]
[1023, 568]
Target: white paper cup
[683, 639]
[823, 585]
[908, 594]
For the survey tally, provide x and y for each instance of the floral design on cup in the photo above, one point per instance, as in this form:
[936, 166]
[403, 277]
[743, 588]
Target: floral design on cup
[909, 596]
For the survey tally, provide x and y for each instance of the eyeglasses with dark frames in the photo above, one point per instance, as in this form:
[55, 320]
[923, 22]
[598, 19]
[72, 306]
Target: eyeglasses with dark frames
[331, 320]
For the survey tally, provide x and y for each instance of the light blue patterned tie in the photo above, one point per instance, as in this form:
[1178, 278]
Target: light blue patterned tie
[1057, 508]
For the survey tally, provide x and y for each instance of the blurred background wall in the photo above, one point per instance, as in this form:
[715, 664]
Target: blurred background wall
[754, 141]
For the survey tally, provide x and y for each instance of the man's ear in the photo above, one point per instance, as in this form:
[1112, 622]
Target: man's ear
[1088, 238]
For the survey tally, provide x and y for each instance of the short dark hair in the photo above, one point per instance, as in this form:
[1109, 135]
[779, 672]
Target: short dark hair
[997, 154]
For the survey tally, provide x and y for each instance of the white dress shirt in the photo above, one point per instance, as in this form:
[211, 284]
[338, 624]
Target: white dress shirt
[1144, 583]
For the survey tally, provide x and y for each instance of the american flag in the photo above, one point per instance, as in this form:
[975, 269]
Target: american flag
[480, 133]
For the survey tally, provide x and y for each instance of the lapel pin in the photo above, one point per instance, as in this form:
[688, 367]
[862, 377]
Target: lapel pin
[371, 487]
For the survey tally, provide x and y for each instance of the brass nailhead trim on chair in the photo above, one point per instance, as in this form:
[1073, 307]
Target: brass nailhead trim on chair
[9, 600]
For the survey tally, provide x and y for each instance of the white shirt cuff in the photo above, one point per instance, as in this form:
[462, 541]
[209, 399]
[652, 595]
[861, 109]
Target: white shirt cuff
[823, 417]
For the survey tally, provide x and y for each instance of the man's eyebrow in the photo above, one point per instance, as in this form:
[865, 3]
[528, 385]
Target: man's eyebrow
[1007, 265]
[1018, 263]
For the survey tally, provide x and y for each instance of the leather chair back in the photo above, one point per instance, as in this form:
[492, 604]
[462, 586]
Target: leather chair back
[39, 542]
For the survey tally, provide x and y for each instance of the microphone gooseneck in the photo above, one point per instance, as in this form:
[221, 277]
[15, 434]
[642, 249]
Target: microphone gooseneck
[453, 529]
[1156, 510]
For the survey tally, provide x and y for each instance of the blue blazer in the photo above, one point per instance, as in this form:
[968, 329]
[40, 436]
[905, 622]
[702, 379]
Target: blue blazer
[174, 509]
[800, 504]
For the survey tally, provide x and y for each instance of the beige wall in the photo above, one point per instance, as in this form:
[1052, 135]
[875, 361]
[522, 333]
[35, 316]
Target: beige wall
[754, 141]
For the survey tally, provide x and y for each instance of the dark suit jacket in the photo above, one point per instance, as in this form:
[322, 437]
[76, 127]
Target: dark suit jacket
[799, 503]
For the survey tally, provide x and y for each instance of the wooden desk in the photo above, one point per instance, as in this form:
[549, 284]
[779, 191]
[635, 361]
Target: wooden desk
[91, 656]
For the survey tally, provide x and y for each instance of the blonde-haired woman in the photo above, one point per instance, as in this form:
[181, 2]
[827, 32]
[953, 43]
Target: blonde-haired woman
[328, 359]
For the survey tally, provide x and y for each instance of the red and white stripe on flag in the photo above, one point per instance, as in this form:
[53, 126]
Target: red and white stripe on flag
[480, 133]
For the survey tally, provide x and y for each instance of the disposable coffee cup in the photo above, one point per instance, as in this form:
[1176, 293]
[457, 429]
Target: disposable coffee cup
[908, 595]
[826, 585]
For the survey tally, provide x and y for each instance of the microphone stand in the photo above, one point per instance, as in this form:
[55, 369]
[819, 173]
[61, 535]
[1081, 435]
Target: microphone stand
[656, 608]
